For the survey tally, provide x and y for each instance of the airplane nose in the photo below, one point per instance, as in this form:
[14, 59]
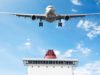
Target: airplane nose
[48, 10]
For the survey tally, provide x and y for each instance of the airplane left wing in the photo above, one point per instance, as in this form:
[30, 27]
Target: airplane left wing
[32, 16]
[22, 15]
[68, 16]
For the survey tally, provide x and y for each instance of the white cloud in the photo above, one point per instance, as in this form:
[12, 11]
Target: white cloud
[90, 27]
[27, 45]
[57, 52]
[83, 50]
[86, 25]
[97, 2]
[76, 2]
[89, 69]
[80, 49]
[65, 54]
[74, 10]
[93, 33]
[68, 53]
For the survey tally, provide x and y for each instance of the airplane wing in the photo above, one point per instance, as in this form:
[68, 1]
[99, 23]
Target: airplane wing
[68, 16]
[32, 16]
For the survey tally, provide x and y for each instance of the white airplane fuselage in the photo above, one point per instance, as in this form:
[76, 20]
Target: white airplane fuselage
[50, 14]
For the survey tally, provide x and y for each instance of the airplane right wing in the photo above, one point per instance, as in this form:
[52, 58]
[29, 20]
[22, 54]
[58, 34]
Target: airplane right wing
[68, 16]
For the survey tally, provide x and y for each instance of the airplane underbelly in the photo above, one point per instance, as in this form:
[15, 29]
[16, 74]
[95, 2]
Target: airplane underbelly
[51, 19]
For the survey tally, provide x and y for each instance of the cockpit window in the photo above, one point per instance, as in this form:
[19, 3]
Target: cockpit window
[50, 6]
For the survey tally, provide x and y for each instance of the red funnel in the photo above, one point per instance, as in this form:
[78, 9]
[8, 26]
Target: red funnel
[50, 55]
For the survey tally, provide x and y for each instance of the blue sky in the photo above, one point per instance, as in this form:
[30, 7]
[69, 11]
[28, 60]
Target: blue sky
[22, 38]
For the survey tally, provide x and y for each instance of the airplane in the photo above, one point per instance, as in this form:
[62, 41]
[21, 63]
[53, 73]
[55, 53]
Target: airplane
[51, 16]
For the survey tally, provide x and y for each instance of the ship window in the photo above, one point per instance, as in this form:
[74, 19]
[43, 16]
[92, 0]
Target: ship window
[35, 62]
[50, 62]
[56, 62]
[53, 62]
[46, 62]
[69, 62]
[53, 66]
[26, 62]
[39, 62]
[30, 62]
[43, 62]
[46, 66]
[38, 66]
[65, 62]
[61, 62]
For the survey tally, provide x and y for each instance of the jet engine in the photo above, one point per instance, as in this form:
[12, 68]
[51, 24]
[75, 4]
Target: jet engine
[33, 17]
[67, 18]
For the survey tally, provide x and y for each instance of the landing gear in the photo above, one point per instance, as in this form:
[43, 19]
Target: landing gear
[40, 23]
[59, 23]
